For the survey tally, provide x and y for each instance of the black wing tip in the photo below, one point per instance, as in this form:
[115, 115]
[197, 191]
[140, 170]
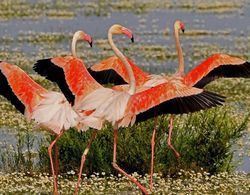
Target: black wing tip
[41, 65]
[215, 99]
[196, 103]
[6, 91]
[54, 73]
[107, 76]
[184, 105]
[215, 95]
[227, 71]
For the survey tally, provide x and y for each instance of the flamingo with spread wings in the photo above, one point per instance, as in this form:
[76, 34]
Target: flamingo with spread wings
[76, 83]
[72, 77]
[121, 107]
[217, 65]
[47, 108]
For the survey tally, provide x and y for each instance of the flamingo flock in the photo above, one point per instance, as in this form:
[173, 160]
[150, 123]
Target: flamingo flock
[136, 95]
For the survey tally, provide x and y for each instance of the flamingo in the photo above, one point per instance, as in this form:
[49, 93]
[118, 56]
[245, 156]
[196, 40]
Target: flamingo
[110, 104]
[47, 108]
[76, 83]
[49, 101]
[112, 66]
[217, 65]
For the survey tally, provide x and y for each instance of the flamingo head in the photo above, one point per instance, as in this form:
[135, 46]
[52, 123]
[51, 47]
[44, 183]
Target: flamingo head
[179, 25]
[119, 29]
[80, 35]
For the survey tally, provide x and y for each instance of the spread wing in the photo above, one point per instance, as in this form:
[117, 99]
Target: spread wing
[70, 74]
[167, 99]
[112, 70]
[216, 66]
[18, 87]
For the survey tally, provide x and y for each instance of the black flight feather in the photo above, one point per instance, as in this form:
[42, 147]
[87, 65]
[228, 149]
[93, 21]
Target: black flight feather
[55, 74]
[107, 76]
[228, 71]
[6, 91]
[182, 105]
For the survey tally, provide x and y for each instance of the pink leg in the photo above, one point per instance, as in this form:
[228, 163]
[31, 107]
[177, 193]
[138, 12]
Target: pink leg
[152, 159]
[142, 188]
[51, 161]
[83, 159]
[177, 155]
[152, 155]
[56, 163]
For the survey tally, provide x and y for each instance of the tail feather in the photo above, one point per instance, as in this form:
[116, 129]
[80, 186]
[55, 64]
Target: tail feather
[90, 121]
[54, 112]
[107, 103]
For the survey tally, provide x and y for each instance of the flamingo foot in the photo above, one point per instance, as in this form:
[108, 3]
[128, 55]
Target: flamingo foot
[177, 154]
[140, 186]
[131, 178]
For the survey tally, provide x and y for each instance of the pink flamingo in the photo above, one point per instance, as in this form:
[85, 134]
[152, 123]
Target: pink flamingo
[112, 105]
[73, 77]
[25, 96]
[121, 107]
[47, 108]
[217, 65]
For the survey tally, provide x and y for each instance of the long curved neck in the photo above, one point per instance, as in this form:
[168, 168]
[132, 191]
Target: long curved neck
[179, 51]
[119, 54]
[73, 45]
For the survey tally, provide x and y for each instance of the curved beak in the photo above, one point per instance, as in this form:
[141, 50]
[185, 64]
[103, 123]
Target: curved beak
[91, 43]
[128, 33]
[132, 39]
[88, 38]
[183, 30]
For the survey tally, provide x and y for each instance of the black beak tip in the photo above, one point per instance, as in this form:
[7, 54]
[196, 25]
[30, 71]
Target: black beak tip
[91, 44]
[132, 39]
[183, 30]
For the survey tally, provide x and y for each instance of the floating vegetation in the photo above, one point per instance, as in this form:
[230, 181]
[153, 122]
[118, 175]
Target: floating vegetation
[62, 9]
[206, 33]
[211, 6]
[61, 14]
[43, 38]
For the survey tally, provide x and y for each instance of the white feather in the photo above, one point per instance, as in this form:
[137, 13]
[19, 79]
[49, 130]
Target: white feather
[54, 112]
[90, 121]
[155, 80]
[107, 103]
